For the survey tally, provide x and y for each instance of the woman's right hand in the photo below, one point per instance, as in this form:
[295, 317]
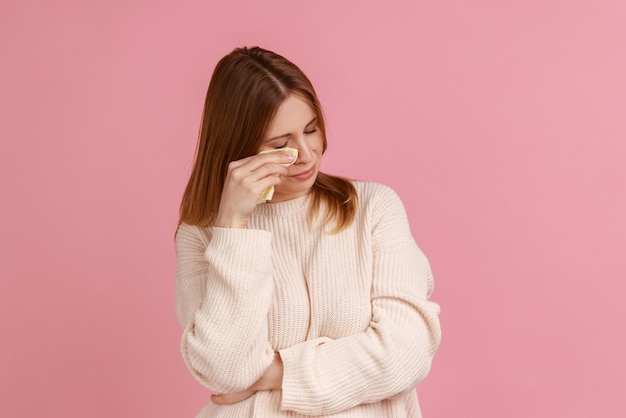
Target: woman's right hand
[245, 180]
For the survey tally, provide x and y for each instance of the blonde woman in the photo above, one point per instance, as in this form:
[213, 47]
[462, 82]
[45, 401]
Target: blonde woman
[314, 303]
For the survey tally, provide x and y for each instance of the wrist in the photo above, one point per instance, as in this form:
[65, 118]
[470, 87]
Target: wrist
[221, 222]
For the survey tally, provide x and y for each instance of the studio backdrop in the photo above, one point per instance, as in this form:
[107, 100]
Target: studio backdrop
[501, 125]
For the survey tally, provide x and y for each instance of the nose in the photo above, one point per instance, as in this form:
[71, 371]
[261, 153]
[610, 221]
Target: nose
[305, 154]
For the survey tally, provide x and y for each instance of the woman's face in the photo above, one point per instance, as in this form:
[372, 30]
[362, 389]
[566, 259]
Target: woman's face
[295, 126]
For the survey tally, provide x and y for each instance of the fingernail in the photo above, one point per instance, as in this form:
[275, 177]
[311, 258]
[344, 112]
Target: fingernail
[291, 157]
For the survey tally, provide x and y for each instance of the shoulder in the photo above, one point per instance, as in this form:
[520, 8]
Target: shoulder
[383, 209]
[377, 196]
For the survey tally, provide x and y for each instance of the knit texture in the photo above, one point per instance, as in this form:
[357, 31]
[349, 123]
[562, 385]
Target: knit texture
[348, 312]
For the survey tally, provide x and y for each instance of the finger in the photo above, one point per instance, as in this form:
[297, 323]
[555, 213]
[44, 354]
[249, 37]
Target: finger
[292, 153]
[231, 398]
[253, 171]
[266, 157]
[243, 177]
[269, 170]
[261, 186]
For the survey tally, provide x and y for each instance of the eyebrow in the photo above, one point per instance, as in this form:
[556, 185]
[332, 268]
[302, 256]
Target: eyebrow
[289, 134]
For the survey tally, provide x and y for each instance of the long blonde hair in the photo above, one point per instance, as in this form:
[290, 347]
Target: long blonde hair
[246, 90]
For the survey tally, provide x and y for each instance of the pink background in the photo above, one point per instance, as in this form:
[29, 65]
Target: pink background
[502, 125]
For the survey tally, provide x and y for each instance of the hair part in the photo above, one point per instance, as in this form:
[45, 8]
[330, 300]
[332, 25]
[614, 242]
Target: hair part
[246, 89]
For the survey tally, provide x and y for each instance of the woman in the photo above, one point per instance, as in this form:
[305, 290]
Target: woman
[315, 303]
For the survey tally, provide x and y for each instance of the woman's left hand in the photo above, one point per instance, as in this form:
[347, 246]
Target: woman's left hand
[272, 379]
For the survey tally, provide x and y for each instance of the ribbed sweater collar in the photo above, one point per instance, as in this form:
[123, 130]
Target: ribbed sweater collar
[287, 207]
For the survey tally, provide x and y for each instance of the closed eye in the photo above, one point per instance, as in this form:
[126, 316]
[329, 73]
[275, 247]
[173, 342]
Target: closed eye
[311, 131]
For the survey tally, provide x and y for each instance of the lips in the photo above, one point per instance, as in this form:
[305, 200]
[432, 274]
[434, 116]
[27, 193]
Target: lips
[304, 174]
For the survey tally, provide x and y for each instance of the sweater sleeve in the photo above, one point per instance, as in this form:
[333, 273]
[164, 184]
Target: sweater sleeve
[324, 376]
[223, 293]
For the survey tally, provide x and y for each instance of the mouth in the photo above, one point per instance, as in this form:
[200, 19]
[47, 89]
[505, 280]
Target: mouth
[304, 174]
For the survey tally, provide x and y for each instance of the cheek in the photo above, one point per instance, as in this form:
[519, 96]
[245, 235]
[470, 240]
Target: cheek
[319, 144]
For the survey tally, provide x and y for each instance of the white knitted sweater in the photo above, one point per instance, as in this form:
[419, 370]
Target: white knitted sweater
[348, 312]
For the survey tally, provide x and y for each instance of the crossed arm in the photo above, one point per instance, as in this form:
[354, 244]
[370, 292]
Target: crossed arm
[391, 356]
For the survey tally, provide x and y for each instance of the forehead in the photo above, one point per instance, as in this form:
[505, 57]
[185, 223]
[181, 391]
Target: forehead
[293, 115]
